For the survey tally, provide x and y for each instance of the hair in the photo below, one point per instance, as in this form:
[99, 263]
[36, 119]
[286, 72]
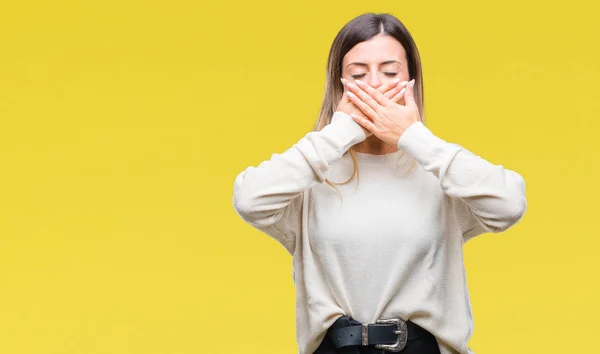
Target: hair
[360, 29]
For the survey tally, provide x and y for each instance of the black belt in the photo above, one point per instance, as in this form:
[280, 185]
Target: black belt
[388, 334]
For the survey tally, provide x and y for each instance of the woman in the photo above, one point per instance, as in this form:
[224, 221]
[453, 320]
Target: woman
[381, 269]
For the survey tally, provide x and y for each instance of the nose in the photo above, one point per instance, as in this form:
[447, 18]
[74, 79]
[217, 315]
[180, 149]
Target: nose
[375, 80]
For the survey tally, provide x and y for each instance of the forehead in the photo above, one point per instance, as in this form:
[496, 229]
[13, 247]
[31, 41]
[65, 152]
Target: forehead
[375, 50]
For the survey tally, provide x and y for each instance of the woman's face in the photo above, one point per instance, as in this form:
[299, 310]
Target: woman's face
[377, 61]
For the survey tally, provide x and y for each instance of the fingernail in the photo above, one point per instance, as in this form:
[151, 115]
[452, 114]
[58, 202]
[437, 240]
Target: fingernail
[395, 81]
[344, 81]
[412, 83]
[402, 91]
[358, 82]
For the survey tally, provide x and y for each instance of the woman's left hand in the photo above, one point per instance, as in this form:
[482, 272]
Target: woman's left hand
[387, 119]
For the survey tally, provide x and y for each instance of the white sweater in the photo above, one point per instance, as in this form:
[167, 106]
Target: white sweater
[394, 247]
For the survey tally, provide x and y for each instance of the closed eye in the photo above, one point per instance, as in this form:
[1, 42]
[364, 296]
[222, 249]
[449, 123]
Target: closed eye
[361, 75]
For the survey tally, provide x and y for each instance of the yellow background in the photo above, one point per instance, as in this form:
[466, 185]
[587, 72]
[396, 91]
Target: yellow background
[124, 124]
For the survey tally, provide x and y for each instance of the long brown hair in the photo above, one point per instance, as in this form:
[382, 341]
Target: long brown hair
[360, 29]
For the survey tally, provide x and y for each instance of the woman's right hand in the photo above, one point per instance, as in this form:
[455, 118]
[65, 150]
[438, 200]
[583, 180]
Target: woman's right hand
[390, 90]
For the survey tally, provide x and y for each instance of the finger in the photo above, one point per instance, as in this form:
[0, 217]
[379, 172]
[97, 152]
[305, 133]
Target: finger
[372, 95]
[345, 98]
[365, 108]
[364, 96]
[394, 91]
[390, 85]
[409, 97]
[344, 88]
[399, 95]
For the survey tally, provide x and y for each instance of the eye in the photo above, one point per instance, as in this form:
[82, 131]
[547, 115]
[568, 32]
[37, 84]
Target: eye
[386, 73]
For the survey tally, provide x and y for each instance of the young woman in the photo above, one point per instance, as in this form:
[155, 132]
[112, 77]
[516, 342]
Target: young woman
[378, 264]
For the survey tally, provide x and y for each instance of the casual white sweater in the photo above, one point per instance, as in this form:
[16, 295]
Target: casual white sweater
[393, 246]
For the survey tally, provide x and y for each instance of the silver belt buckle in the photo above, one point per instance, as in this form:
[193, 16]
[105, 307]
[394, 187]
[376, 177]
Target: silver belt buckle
[401, 331]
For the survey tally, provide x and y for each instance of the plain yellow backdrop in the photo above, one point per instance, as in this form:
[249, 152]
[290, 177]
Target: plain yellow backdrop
[124, 124]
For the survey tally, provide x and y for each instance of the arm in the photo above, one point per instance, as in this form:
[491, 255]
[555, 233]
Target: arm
[269, 196]
[486, 197]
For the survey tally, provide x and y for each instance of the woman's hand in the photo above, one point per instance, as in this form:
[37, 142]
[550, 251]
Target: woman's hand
[393, 91]
[386, 119]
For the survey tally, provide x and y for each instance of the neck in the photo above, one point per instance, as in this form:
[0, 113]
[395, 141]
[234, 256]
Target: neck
[374, 146]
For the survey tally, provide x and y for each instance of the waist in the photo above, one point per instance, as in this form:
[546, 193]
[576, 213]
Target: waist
[349, 336]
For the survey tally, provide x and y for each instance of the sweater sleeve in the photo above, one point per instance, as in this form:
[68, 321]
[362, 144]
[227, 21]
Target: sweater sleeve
[486, 197]
[270, 196]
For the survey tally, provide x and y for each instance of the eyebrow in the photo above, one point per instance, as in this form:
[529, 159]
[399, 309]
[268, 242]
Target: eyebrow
[382, 63]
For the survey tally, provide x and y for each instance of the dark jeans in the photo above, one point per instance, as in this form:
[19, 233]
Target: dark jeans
[425, 344]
